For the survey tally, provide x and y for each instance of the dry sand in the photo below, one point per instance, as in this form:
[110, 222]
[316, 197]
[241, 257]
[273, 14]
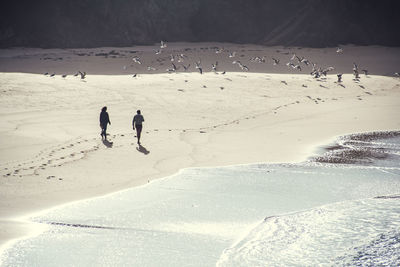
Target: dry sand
[51, 151]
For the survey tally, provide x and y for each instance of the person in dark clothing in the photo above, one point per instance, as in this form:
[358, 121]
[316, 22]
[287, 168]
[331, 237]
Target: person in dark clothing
[137, 122]
[104, 120]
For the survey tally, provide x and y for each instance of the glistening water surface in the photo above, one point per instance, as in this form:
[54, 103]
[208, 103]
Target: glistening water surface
[340, 208]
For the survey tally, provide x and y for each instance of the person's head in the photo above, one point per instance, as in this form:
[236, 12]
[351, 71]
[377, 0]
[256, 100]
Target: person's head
[104, 109]
[138, 111]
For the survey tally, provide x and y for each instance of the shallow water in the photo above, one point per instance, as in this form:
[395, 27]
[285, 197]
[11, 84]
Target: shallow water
[316, 212]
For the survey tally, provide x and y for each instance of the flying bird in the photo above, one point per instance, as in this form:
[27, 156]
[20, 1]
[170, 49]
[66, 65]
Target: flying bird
[163, 44]
[186, 67]
[276, 61]
[137, 60]
[339, 77]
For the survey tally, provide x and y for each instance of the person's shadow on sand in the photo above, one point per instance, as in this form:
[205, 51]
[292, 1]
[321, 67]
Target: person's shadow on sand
[142, 149]
[107, 143]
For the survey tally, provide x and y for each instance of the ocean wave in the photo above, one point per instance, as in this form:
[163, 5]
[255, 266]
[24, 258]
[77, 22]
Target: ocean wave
[355, 233]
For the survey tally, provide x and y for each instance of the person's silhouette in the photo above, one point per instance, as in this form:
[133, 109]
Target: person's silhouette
[137, 123]
[104, 120]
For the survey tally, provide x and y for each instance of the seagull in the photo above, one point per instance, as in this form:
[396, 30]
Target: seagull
[325, 71]
[232, 54]
[276, 61]
[83, 75]
[198, 66]
[258, 59]
[172, 57]
[397, 74]
[305, 61]
[163, 44]
[365, 72]
[134, 75]
[158, 51]
[219, 50]
[149, 68]
[223, 72]
[76, 74]
[243, 67]
[214, 66]
[186, 67]
[46, 73]
[339, 50]
[64, 75]
[355, 67]
[137, 60]
[356, 74]
[339, 77]
[293, 57]
[290, 64]
[299, 59]
[297, 67]
[52, 75]
[174, 68]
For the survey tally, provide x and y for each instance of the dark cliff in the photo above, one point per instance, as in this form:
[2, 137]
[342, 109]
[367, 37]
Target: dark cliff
[95, 23]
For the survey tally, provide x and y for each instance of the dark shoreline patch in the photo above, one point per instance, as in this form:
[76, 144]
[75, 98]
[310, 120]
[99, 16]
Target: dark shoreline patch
[358, 149]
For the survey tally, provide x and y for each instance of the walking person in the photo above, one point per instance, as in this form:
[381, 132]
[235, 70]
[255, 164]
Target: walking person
[104, 120]
[137, 123]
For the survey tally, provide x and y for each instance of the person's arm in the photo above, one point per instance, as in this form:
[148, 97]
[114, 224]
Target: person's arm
[133, 123]
[108, 118]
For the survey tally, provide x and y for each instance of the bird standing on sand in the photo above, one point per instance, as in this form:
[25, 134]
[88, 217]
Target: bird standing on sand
[276, 61]
[355, 71]
[198, 66]
[339, 77]
[365, 72]
[174, 68]
[64, 75]
[214, 66]
[339, 50]
[397, 74]
[163, 44]
[83, 75]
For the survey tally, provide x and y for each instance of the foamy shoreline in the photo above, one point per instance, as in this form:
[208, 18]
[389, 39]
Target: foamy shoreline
[192, 120]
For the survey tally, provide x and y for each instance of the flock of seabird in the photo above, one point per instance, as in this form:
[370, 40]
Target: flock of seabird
[296, 62]
[82, 75]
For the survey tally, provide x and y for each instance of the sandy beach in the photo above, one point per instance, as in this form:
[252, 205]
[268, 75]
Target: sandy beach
[51, 151]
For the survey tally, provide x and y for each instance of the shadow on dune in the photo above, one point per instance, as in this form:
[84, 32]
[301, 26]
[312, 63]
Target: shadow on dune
[107, 143]
[142, 149]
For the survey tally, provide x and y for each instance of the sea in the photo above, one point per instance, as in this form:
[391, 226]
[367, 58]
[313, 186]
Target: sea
[338, 208]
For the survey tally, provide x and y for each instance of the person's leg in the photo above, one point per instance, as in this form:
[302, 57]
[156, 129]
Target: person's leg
[105, 131]
[138, 132]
